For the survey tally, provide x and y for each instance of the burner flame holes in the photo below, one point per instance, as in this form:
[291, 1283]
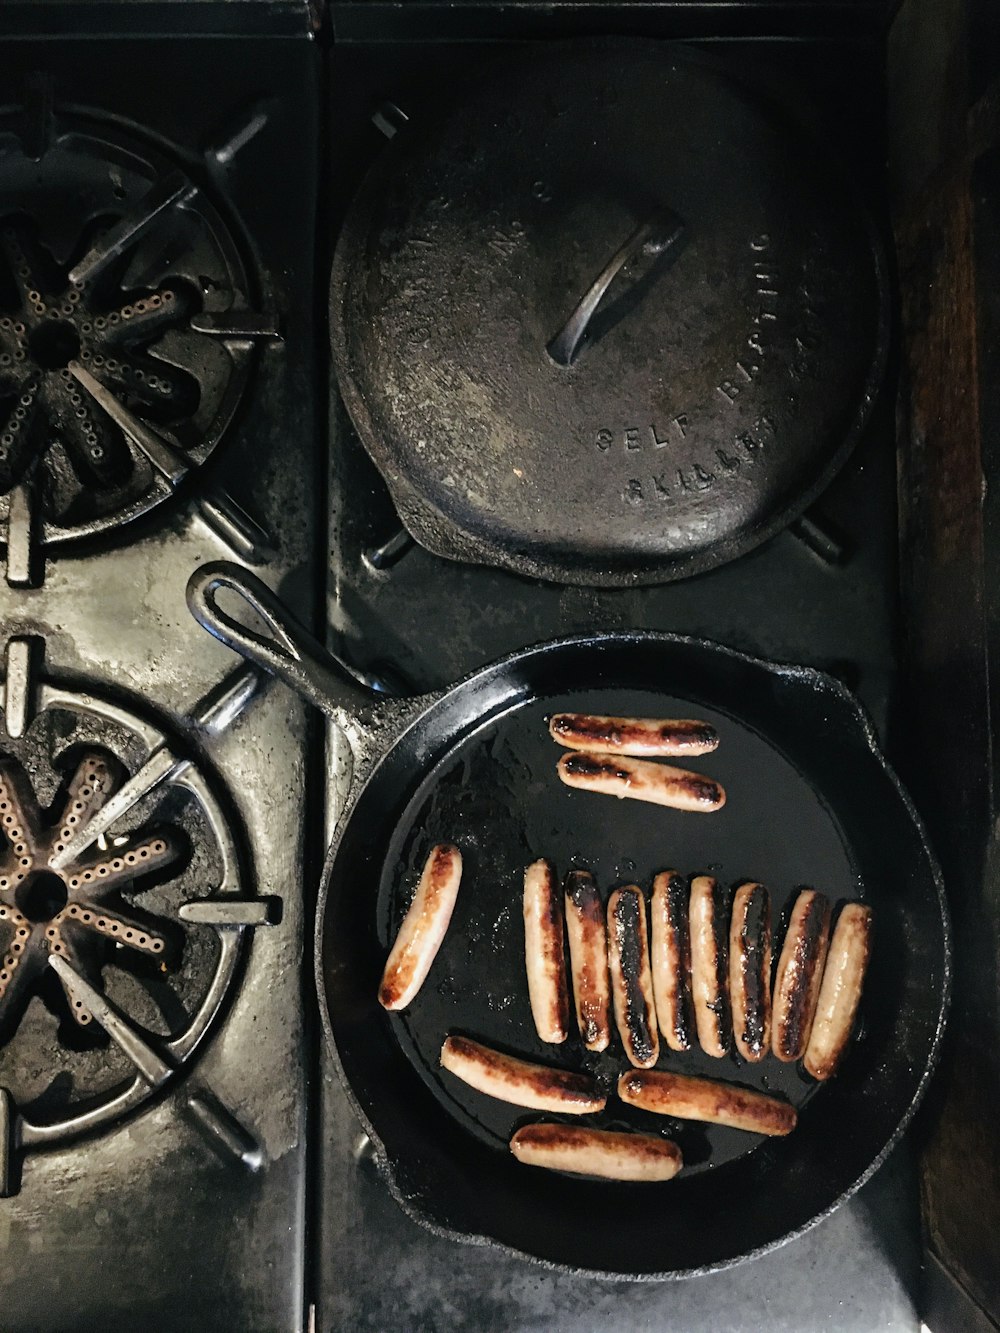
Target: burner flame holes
[116, 929]
[51, 912]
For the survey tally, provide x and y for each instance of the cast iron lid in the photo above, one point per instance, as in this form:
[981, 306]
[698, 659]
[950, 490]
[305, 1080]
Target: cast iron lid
[611, 320]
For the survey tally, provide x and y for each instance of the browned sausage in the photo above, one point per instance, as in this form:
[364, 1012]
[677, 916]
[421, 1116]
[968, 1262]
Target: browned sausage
[517, 1081]
[671, 959]
[544, 957]
[709, 965]
[840, 993]
[597, 1152]
[588, 955]
[703, 1099]
[597, 734]
[750, 970]
[423, 929]
[800, 972]
[631, 979]
[642, 780]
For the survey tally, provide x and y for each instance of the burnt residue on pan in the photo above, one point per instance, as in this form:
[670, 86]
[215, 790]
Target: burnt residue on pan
[496, 795]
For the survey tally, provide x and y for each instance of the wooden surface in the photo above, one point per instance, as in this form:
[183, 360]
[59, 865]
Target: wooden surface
[947, 195]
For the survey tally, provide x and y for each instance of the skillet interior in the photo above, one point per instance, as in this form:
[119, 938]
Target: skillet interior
[809, 802]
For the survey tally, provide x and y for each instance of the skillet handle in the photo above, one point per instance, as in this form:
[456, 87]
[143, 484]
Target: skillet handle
[287, 651]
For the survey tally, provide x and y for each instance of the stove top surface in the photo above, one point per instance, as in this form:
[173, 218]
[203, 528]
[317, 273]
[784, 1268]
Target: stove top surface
[217, 1190]
[153, 1127]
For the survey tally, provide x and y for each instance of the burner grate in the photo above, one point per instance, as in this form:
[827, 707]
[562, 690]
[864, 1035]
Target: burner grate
[121, 915]
[127, 329]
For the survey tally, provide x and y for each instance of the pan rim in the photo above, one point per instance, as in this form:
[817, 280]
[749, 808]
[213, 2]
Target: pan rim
[803, 675]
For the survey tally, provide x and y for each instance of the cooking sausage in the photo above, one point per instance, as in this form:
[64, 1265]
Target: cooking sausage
[597, 734]
[687, 1098]
[631, 979]
[597, 1152]
[512, 1080]
[671, 959]
[424, 927]
[840, 992]
[750, 970]
[543, 952]
[642, 780]
[588, 956]
[709, 966]
[800, 972]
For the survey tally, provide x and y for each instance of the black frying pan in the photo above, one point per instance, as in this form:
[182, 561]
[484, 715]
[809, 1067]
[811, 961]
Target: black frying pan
[811, 801]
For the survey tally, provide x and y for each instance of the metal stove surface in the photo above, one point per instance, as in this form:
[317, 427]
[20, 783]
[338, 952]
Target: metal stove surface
[189, 1209]
[823, 594]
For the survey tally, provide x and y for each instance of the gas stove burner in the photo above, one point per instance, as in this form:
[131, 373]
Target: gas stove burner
[121, 917]
[66, 911]
[126, 327]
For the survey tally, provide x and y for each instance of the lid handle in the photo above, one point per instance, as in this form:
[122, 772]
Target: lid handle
[656, 236]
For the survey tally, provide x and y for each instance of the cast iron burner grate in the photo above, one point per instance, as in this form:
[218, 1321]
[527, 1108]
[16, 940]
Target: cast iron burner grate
[121, 916]
[126, 325]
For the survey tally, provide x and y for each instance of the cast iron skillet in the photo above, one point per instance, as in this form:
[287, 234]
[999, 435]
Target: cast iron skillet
[811, 801]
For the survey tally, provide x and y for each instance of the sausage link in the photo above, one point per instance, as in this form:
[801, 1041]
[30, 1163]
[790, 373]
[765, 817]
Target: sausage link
[703, 1099]
[588, 955]
[750, 970]
[424, 927]
[597, 1152]
[641, 780]
[544, 956]
[631, 980]
[800, 972]
[840, 992]
[596, 734]
[709, 965]
[671, 959]
[509, 1079]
